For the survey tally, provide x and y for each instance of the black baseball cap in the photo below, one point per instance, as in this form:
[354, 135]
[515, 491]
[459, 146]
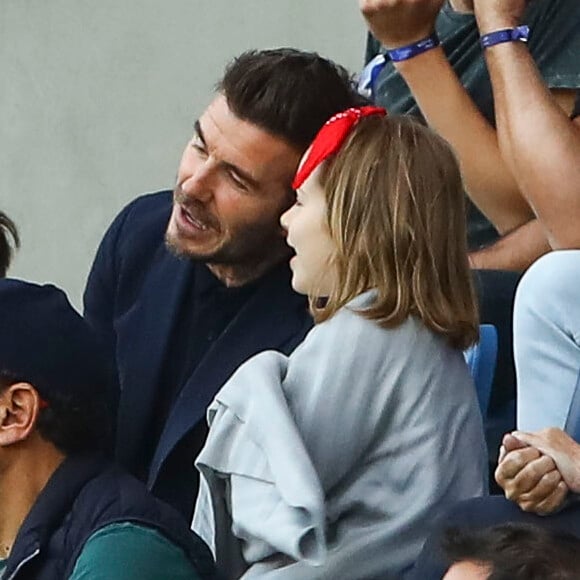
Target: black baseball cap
[45, 342]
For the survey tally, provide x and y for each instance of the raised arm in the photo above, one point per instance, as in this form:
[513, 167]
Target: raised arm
[517, 250]
[448, 108]
[539, 142]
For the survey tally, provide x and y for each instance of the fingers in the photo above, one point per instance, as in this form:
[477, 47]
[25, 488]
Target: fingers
[514, 461]
[551, 502]
[502, 454]
[532, 439]
[370, 7]
[521, 471]
[545, 486]
[529, 474]
[548, 440]
[511, 442]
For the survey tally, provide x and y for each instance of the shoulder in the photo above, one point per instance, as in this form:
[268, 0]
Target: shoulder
[136, 233]
[350, 321]
[354, 335]
[145, 218]
[146, 211]
[111, 500]
[126, 551]
[347, 338]
[115, 495]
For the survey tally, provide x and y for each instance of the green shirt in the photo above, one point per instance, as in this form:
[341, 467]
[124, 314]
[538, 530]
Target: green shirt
[128, 551]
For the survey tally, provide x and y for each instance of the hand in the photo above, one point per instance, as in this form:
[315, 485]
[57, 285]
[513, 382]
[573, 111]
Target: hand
[509, 443]
[397, 23]
[561, 448]
[529, 478]
[498, 14]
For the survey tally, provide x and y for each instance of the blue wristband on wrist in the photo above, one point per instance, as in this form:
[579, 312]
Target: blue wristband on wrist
[518, 34]
[411, 50]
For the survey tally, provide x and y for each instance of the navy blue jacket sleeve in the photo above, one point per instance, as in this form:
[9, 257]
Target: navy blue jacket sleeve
[101, 289]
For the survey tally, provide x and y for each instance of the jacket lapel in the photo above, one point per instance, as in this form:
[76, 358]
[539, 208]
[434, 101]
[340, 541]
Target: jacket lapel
[144, 334]
[275, 318]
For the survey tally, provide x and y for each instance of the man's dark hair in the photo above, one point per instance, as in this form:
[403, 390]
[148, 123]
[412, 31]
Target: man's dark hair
[9, 241]
[287, 92]
[517, 552]
[73, 426]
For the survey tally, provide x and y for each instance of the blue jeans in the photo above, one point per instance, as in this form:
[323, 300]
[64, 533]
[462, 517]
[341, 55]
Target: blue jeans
[547, 340]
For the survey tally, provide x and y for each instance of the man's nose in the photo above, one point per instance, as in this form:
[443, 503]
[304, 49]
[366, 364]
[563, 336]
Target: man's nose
[199, 183]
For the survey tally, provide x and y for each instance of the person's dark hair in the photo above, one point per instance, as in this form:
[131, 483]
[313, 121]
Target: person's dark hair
[72, 425]
[9, 241]
[517, 552]
[287, 92]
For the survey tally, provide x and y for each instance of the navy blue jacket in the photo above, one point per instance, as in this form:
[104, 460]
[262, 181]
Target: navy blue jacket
[132, 299]
[84, 495]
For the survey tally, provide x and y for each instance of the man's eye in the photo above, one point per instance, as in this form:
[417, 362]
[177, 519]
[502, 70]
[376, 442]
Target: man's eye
[198, 145]
[238, 182]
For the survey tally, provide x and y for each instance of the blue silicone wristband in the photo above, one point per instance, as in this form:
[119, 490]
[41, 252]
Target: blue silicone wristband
[411, 50]
[518, 34]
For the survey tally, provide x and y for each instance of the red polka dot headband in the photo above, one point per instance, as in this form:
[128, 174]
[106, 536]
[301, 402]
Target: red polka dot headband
[330, 139]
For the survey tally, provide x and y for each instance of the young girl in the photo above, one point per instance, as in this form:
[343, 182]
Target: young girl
[332, 463]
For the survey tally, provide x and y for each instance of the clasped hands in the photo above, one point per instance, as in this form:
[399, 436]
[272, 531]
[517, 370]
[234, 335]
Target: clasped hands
[397, 23]
[537, 470]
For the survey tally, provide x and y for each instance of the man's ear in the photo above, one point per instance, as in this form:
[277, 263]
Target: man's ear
[19, 407]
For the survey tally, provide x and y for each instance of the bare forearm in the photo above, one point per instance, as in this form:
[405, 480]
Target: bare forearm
[448, 107]
[539, 142]
[515, 251]
[451, 112]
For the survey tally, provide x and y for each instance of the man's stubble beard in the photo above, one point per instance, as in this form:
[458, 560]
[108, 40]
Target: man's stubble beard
[246, 250]
[256, 247]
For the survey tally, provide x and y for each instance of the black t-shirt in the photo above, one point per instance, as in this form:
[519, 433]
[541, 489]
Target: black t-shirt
[554, 44]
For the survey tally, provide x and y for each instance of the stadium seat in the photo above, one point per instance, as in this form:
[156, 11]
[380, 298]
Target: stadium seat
[481, 359]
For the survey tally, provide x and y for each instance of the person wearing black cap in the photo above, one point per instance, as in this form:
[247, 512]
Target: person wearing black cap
[67, 511]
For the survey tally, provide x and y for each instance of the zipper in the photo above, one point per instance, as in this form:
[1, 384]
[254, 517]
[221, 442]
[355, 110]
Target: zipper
[23, 563]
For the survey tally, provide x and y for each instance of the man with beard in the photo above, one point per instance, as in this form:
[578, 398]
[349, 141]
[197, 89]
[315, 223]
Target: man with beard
[189, 284]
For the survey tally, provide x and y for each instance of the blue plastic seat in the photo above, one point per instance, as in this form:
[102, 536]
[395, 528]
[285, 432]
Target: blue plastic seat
[481, 359]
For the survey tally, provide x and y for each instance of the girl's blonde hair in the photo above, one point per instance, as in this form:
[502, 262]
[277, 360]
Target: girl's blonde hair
[397, 216]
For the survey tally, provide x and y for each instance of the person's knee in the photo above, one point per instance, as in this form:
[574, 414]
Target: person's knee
[549, 288]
